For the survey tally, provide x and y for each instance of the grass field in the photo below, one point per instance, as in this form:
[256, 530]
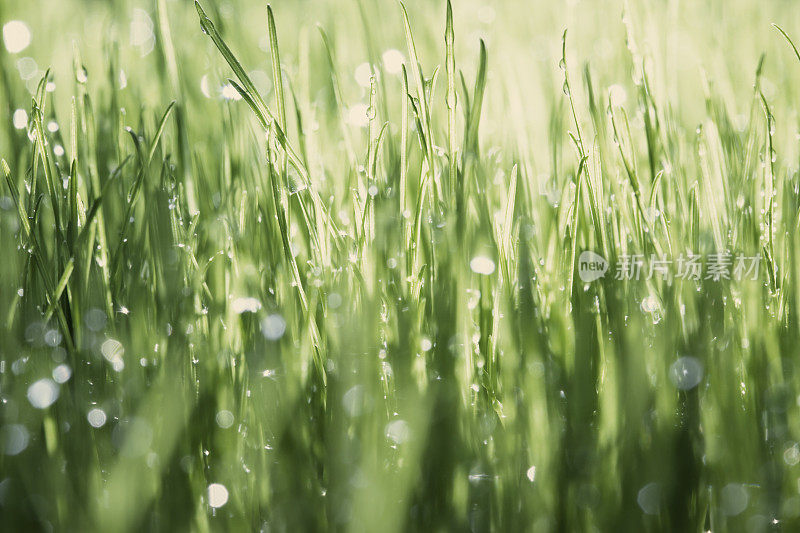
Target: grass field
[359, 266]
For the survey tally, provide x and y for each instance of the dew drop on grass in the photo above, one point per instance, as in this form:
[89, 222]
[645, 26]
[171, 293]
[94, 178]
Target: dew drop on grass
[617, 95]
[686, 373]
[20, 119]
[649, 498]
[14, 439]
[398, 431]
[96, 418]
[357, 116]
[791, 456]
[482, 265]
[62, 373]
[477, 475]
[363, 74]
[16, 36]
[273, 327]
[141, 31]
[217, 495]
[245, 305]
[43, 393]
[393, 61]
[52, 337]
[229, 92]
[733, 499]
[353, 400]
[224, 419]
[113, 351]
[204, 87]
[95, 319]
[531, 474]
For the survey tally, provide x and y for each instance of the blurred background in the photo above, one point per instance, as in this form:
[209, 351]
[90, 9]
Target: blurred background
[192, 406]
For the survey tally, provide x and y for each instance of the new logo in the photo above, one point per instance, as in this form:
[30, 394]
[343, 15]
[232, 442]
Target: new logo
[591, 266]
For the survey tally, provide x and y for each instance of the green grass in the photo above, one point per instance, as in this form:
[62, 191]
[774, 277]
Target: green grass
[353, 301]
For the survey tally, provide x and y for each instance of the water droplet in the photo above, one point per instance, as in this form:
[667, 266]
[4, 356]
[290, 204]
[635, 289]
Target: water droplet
[62, 373]
[224, 419]
[357, 116]
[217, 495]
[229, 92]
[617, 95]
[482, 265]
[245, 305]
[20, 119]
[113, 351]
[95, 319]
[649, 498]
[398, 431]
[363, 74]
[14, 439]
[733, 499]
[16, 36]
[273, 327]
[96, 418]
[393, 61]
[686, 373]
[43, 393]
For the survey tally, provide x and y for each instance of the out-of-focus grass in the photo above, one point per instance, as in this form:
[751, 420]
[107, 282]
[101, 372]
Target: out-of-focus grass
[352, 303]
